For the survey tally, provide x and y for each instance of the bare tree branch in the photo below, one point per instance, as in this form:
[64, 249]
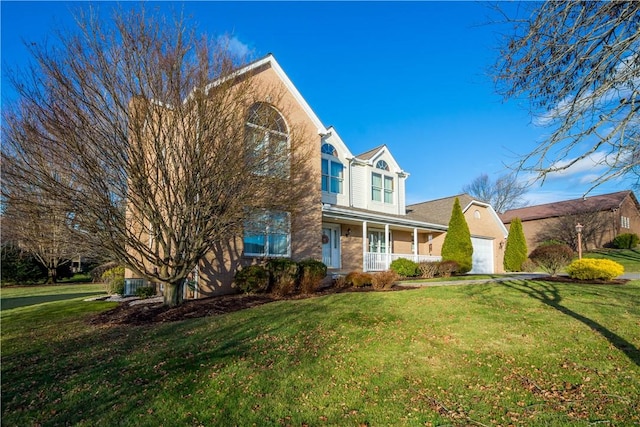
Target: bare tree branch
[577, 64]
[503, 194]
[161, 163]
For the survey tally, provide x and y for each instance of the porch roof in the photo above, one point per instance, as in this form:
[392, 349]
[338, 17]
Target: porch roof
[356, 214]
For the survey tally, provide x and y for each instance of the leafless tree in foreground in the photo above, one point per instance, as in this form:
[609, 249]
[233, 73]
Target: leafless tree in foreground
[578, 65]
[503, 194]
[149, 121]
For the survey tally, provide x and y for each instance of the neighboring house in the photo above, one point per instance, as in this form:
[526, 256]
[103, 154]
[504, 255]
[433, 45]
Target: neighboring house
[614, 213]
[355, 220]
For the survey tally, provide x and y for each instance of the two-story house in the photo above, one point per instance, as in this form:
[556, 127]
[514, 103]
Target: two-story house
[355, 218]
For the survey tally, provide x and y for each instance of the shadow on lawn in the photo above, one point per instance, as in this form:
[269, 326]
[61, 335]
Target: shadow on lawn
[549, 294]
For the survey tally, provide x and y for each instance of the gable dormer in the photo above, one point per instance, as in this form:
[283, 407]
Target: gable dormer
[378, 182]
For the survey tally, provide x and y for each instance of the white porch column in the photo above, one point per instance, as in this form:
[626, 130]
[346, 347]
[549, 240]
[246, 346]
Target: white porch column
[386, 245]
[364, 246]
[415, 243]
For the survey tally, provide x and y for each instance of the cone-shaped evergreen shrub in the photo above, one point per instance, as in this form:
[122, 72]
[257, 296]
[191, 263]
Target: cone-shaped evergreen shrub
[457, 243]
[515, 253]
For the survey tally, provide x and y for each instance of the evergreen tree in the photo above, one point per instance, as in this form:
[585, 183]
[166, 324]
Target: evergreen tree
[457, 243]
[515, 253]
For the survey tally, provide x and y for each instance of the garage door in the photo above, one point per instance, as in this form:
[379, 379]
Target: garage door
[482, 256]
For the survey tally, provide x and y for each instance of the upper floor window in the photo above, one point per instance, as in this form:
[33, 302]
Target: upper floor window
[332, 170]
[382, 165]
[381, 188]
[267, 233]
[267, 137]
[329, 149]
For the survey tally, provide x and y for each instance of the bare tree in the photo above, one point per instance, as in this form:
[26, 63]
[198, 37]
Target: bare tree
[578, 66]
[168, 147]
[563, 229]
[503, 194]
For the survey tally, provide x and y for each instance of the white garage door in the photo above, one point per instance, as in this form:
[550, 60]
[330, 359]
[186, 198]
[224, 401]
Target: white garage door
[482, 256]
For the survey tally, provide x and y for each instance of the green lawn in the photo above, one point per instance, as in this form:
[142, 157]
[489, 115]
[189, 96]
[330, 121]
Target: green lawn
[629, 258]
[20, 296]
[521, 353]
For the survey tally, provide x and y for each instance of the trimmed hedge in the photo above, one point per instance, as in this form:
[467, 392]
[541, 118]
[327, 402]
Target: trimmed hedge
[592, 269]
[404, 267]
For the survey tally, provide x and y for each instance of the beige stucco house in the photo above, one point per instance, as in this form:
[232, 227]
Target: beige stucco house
[355, 217]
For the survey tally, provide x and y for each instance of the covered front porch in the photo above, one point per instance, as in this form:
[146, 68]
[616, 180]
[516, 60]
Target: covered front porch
[355, 240]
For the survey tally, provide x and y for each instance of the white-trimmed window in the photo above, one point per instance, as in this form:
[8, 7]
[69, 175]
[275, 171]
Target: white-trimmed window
[624, 222]
[267, 233]
[267, 138]
[381, 188]
[377, 242]
[332, 170]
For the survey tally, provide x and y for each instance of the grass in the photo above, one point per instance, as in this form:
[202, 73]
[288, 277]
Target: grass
[521, 353]
[629, 258]
[13, 297]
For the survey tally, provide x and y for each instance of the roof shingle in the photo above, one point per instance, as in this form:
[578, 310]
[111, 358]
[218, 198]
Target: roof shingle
[600, 203]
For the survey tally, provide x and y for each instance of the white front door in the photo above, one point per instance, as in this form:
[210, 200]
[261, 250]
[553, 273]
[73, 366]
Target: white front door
[331, 245]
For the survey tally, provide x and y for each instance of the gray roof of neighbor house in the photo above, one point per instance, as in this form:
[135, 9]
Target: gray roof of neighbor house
[437, 211]
[604, 202]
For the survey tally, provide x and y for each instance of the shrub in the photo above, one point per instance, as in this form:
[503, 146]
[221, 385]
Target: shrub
[311, 274]
[340, 282]
[591, 269]
[384, 279]
[145, 292]
[626, 241]
[404, 267]
[552, 257]
[457, 244]
[252, 279]
[515, 253]
[20, 267]
[114, 280]
[428, 269]
[358, 279]
[529, 266]
[283, 274]
[447, 268]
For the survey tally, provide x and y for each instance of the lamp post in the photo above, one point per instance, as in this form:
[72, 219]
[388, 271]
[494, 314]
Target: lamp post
[579, 231]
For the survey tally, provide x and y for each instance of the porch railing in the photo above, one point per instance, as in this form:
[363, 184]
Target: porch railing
[131, 285]
[380, 262]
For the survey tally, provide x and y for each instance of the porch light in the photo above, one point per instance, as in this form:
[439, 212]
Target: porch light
[348, 233]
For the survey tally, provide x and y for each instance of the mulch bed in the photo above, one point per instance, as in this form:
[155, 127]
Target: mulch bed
[566, 279]
[143, 314]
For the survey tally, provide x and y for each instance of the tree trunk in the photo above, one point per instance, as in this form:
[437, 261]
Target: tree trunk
[172, 293]
[52, 275]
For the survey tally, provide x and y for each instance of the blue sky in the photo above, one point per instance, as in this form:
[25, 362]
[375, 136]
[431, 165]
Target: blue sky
[414, 76]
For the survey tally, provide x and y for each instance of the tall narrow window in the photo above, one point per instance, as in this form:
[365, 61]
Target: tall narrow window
[267, 138]
[267, 233]
[332, 170]
[381, 188]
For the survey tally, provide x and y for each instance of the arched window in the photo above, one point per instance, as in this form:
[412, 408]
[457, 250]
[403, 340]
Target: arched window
[332, 170]
[382, 165]
[329, 149]
[382, 185]
[267, 137]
